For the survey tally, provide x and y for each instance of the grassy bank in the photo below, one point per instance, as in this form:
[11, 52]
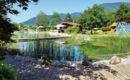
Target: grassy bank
[104, 47]
[76, 40]
[101, 46]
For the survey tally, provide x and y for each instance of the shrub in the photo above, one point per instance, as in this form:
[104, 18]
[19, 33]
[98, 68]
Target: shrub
[73, 29]
[105, 29]
[2, 51]
[41, 28]
[99, 32]
[48, 28]
[88, 32]
[1, 43]
[7, 72]
[113, 27]
[76, 39]
[52, 28]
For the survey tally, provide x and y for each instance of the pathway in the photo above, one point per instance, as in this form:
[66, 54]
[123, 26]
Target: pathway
[31, 70]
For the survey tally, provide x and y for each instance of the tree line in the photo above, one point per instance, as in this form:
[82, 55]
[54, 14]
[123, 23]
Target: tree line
[43, 20]
[94, 17]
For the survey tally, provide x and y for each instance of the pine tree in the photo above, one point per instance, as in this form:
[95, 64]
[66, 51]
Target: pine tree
[68, 18]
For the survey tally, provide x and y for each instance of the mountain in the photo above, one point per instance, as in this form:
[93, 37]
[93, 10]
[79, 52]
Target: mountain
[111, 6]
[107, 7]
[30, 21]
[62, 15]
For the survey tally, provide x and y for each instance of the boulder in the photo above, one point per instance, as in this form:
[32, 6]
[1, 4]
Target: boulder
[115, 60]
[2, 53]
[1, 31]
[60, 41]
[5, 48]
[85, 61]
[45, 61]
[12, 51]
[26, 30]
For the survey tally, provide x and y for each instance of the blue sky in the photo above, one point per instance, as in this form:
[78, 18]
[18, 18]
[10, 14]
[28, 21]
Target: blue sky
[60, 6]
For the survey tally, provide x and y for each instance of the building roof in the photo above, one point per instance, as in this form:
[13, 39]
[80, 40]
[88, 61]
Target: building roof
[68, 23]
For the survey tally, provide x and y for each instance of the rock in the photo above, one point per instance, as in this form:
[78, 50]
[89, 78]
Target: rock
[85, 61]
[12, 51]
[28, 59]
[38, 66]
[101, 62]
[60, 41]
[2, 52]
[115, 60]
[5, 48]
[40, 28]
[23, 30]
[128, 58]
[26, 30]
[45, 61]
[1, 31]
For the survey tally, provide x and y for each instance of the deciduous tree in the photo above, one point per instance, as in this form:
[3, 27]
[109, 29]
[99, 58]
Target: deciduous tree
[42, 20]
[122, 13]
[110, 18]
[6, 6]
[55, 19]
[93, 17]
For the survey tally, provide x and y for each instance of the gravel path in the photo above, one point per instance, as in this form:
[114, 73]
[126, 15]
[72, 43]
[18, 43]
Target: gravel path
[30, 69]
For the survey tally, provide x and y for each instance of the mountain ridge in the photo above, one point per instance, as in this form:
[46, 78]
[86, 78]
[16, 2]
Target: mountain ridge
[74, 15]
[107, 8]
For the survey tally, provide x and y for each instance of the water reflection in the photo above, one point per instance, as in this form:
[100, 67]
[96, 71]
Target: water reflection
[53, 51]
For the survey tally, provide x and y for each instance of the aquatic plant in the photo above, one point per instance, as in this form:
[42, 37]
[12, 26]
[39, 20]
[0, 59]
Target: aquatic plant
[76, 39]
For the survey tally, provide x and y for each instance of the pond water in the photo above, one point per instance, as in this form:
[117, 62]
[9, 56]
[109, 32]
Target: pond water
[50, 49]
[34, 35]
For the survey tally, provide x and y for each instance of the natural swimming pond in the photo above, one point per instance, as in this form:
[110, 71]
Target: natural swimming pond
[48, 48]
[100, 47]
